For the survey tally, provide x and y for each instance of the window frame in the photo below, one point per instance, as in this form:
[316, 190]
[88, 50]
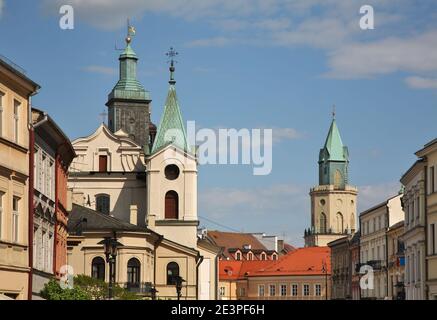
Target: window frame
[101, 197]
[133, 272]
[16, 219]
[306, 286]
[101, 266]
[170, 281]
[294, 290]
[261, 293]
[272, 286]
[281, 291]
[318, 290]
[16, 116]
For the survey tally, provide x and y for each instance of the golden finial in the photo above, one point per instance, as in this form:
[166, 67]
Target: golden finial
[130, 32]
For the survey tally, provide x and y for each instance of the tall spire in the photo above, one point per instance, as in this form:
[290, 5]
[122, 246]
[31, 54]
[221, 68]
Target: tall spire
[333, 158]
[171, 129]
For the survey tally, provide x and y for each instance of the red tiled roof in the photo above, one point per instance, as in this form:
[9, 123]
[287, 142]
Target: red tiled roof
[303, 261]
[234, 270]
[231, 240]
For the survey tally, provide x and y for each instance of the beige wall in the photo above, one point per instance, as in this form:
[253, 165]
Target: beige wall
[332, 203]
[125, 158]
[227, 290]
[183, 231]
[14, 171]
[252, 287]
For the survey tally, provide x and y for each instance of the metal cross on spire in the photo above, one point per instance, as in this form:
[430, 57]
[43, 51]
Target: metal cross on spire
[333, 112]
[172, 54]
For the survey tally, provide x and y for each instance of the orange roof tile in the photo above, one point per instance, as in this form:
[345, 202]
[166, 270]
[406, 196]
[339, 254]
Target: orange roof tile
[303, 261]
[232, 240]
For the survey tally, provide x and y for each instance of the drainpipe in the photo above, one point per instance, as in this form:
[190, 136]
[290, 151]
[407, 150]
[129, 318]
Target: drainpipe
[31, 208]
[425, 212]
[217, 268]
[199, 261]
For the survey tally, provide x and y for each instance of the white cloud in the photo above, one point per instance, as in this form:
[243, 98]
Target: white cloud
[108, 71]
[220, 202]
[371, 195]
[210, 42]
[421, 83]
[413, 54]
[281, 134]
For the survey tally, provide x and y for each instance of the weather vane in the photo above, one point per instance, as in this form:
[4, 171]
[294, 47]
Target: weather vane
[130, 32]
[333, 111]
[172, 54]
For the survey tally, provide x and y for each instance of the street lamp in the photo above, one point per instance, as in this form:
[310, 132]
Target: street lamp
[111, 245]
[178, 282]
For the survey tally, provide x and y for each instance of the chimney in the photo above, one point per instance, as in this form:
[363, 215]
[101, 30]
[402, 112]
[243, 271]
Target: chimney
[280, 245]
[133, 214]
[151, 218]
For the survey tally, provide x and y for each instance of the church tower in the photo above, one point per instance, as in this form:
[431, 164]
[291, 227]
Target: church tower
[129, 103]
[172, 175]
[333, 201]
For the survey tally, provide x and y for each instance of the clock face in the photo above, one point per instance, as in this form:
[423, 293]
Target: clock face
[322, 202]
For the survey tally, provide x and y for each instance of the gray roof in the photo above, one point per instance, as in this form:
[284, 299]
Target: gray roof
[96, 221]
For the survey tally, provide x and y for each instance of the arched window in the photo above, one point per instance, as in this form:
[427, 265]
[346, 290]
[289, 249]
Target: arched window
[133, 272]
[353, 221]
[250, 256]
[103, 203]
[274, 256]
[340, 224]
[98, 268]
[323, 223]
[171, 205]
[172, 273]
[263, 256]
[238, 256]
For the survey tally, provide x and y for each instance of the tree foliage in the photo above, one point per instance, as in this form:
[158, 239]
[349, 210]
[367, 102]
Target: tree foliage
[85, 288]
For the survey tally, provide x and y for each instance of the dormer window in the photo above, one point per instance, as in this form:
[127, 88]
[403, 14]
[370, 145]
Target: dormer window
[250, 256]
[274, 256]
[238, 256]
[263, 256]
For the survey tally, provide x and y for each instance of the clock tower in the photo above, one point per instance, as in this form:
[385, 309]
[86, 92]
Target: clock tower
[333, 201]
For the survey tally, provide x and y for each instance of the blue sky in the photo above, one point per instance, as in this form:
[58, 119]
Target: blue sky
[250, 64]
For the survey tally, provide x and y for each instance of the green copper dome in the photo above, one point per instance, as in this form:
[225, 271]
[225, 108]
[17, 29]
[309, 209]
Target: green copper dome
[128, 87]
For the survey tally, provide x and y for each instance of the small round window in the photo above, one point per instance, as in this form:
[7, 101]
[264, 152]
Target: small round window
[172, 172]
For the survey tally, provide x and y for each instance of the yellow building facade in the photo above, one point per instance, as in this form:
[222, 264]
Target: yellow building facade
[15, 97]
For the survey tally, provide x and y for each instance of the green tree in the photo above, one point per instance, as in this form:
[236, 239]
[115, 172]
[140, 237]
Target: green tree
[85, 288]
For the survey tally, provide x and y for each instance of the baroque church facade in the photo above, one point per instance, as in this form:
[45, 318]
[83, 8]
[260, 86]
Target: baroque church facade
[333, 200]
[138, 183]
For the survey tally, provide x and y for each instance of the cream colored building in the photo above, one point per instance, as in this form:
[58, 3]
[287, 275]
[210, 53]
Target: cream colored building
[396, 262]
[429, 154]
[146, 177]
[373, 243]
[16, 91]
[414, 201]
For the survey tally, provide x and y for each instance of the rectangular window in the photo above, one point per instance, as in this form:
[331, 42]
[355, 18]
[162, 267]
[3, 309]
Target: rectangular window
[294, 290]
[431, 179]
[222, 291]
[283, 290]
[272, 290]
[417, 207]
[15, 219]
[1, 113]
[432, 235]
[103, 163]
[16, 120]
[242, 292]
[1, 214]
[318, 290]
[261, 292]
[306, 290]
